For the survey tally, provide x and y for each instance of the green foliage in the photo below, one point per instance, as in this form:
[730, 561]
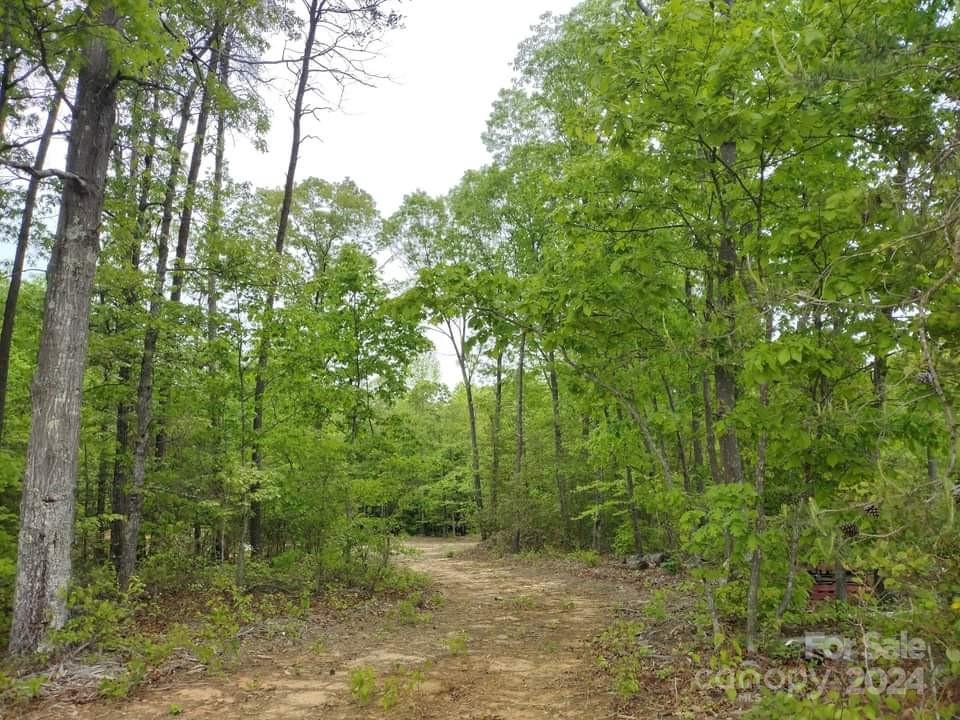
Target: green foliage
[621, 653]
[363, 684]
[590, 558]
[458, 643]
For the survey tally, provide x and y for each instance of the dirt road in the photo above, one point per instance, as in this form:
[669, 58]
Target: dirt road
[509, 641]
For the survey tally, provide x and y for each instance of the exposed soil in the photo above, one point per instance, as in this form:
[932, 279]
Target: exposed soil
[509, 641]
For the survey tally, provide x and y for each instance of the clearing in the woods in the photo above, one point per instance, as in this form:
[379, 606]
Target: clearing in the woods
[502, 640]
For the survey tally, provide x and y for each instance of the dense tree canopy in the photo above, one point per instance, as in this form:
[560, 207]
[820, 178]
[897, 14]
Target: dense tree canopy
[703, 300]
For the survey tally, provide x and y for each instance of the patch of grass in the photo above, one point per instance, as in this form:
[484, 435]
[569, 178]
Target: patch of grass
[363, 684]
[318, 648]
[621, 653]
[590, 558]
[523, 602]
[125, 683]
[656, 607]
[411, 610]
[457, 643]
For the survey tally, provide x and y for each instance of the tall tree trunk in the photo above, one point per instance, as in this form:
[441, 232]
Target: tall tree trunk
[122, 456]
[710, 437]
[47, 506]
[725, 371]
[128, 558]
[495, 441]
[681, 450]
[212, 249]
[103, 477]
[519, 476]
[458, 340]
[634, 512]
[558, 453]
[753, 589]
[189, 197]
[315, 13]
[23, 240]
[794, 547]
[196, 159]
[133, 496]
[695, 438]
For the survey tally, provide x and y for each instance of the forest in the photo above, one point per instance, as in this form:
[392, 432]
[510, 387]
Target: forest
[704, 306]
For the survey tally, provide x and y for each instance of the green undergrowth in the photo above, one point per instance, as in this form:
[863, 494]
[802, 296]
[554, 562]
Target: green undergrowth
[182, 608]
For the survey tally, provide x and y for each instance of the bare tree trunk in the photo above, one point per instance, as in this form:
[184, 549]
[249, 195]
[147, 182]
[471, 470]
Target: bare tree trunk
[23, 239]
[495, 441]
[753, 589]
[47, 506]
[315, 13]
[6, 82]
[725, 371]
[133, 500]
[122, 459]
[634, 513]
[189, 197]
[695, 438]
[558, 453]
[196, 159]
[103, 476]
[128, 558]
[795, 529]
[519, 477]
[710, 437]
[681, 451]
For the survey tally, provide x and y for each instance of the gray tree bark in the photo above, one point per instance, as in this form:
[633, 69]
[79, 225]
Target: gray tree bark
[47, 505]
[23, 242]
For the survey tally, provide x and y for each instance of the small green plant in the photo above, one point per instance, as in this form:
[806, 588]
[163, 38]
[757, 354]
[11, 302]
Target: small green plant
[457, 643]
[392, 688]
[174, 709]
[523, 602]
[30, 688]
[319, 648]
[621, 655]
[656, 607]
[363, 684]
[126, 682]
[588, 557]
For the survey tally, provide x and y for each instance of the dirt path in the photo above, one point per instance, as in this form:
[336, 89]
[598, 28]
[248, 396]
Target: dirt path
[508, 642]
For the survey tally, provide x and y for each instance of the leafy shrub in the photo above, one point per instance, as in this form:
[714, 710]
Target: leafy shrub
[363, 683]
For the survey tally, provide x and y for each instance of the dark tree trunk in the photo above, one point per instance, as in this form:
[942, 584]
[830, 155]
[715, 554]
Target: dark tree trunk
[710, 437]
[315, 13]
[495, 440]
[122, 459]
[519, 476]
[6, 81]
[189, 197]
[558, 452]
[23, 241]
[100, 502]
[681, 450]
[634, 513]
[47, 506]
[128, 558]
[725, 371]
[133, 500]
[196, 159]
[695, 438]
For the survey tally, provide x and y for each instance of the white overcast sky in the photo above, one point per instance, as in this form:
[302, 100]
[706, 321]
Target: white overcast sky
[420, 129]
